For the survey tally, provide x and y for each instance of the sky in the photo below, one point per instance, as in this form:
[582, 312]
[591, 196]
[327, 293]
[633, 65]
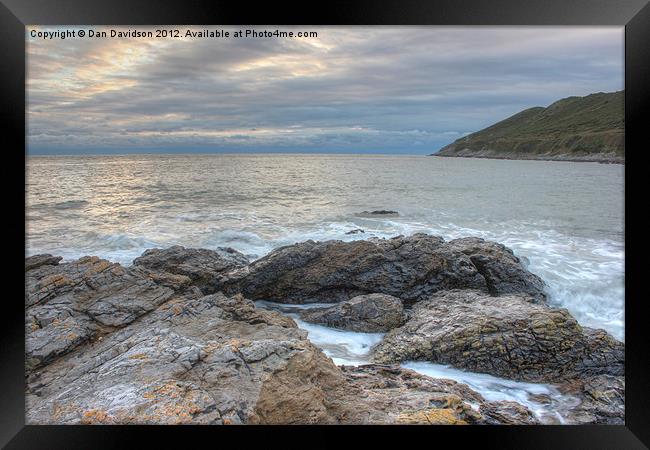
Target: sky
[401, 90]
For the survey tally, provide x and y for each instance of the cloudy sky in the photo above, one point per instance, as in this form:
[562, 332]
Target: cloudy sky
[404, 90]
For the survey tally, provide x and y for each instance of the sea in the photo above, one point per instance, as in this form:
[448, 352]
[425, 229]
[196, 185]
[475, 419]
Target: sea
[564, 219]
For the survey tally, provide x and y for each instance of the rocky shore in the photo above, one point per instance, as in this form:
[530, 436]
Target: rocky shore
[176, 338]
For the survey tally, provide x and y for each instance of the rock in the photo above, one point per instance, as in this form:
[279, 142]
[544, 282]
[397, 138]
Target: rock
[506, 413]
[68, 304]
[392, 394]
[33, 262]
[180, 284]
[410, 268]
[355, 231]
[219, 360]
[206, 269]
[602, 400]
[504, 273]
[206, 360]
[381, 212]
[507, 336]
[372, 313]
[142, 345]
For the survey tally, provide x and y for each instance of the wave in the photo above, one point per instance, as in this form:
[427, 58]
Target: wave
[584, 275]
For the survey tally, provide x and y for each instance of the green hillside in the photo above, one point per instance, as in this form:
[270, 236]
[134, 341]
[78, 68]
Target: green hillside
[589, 128]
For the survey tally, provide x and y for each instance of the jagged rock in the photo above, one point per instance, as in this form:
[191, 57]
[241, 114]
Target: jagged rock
[410, 268]
[69, 303]
[180, 284]
[602, 400]
[392, 394]
[206, 269]
[355, 231]
[504, 273]
[35, 261]
[208, 360]
[370, 313]
[507, 336]
[506, 413]
[220, 360]
[114, 345]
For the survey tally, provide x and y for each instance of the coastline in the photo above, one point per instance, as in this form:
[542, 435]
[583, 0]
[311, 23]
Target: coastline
[560, 158]
[171, 325]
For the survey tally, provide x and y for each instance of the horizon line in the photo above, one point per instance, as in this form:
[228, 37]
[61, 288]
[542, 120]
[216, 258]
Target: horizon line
[27, 154]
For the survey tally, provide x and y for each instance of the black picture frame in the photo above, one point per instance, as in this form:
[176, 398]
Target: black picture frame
[16, 14]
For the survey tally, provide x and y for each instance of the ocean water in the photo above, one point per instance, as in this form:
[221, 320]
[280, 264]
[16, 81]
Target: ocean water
[566, 219]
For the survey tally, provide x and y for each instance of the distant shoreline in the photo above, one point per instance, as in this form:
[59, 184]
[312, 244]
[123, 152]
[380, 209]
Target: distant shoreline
[540, 158]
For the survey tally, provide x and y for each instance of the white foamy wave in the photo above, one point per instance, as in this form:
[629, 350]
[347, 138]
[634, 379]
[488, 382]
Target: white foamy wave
[249, 243]
[344, 347]
[498, 389]
[121, 248]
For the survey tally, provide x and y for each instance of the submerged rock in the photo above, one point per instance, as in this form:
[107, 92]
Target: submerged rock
[411, 268]
[355, 231]
[206, 269]
[379, 212]
[507, 336]
[68, 304]
[370, 313]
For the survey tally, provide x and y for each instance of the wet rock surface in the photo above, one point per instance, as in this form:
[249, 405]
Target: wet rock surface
[507, 336]
[379, 212]
[411, 268]
[370, 313]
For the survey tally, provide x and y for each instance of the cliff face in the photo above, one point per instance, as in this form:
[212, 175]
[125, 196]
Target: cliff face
[589, 128]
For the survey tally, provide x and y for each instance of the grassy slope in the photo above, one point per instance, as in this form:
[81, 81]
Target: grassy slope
[589, 128]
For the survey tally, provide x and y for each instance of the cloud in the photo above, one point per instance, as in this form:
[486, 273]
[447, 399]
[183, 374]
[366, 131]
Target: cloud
[398, 89]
